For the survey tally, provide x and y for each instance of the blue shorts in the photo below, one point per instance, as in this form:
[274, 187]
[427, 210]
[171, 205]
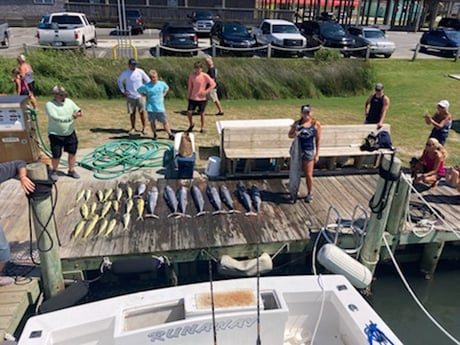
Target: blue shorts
[308, 155]
[157, 116]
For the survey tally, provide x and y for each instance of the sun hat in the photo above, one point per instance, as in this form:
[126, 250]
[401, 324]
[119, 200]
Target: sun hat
[444, 103]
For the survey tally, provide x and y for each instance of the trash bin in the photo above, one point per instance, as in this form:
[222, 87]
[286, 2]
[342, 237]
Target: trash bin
[213, 167]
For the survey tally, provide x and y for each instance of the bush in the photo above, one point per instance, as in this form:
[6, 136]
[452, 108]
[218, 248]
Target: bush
[327, 55]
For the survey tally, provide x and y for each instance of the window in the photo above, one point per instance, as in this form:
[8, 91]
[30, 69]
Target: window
[44, 2]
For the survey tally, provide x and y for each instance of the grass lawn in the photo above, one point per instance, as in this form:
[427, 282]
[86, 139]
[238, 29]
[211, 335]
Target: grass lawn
[413, 87]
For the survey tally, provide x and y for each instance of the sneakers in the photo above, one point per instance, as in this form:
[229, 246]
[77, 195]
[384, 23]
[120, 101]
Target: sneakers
[171, 137]
[155, 137]
[73, 173]
[309, 198]
[220, 113]
[143, 131]
[202, 130]
[4, 281]
[54, 176]
[190, 128]
[132, 131]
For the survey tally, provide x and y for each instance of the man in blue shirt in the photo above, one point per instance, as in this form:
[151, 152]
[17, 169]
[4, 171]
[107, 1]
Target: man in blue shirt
[155, 91]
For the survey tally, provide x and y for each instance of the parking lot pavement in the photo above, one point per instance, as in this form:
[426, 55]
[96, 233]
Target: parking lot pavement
[405, 43]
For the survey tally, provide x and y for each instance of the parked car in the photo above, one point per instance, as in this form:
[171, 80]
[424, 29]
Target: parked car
[233, 35]
[441, 38]
[373, 38]
[453, 23]
[179, 35]
[327, 33]
[4, 35]
[135, 20]
[202, 21]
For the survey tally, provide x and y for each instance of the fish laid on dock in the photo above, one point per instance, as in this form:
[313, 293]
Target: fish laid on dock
[214, 199]
[227, 199]
[100, 195]
[111, 226]
[140, 208]
[182, 201]
[245, 199]
[198, 200]
[103, 226]
[129, 192]
[87, 194]
[80, 226]
[106, 208]
[256, 198]
[84, 211]
[126, 220]
[118, 193]
[152, 199]
[107, 194]
[140, 190]
[129, 205]
[91, 225]
[115, 206]
[171, 201]
[80, 196]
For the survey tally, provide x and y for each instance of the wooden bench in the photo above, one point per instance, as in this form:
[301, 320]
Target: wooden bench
[338, 142]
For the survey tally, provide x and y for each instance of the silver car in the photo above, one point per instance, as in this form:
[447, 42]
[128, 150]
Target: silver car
[374, 38]
[202, 21]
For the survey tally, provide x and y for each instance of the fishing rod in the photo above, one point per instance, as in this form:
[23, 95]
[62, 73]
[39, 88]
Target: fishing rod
[213, 313]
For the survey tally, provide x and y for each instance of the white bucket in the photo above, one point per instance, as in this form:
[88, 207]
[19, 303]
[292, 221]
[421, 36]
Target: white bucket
[213, 167]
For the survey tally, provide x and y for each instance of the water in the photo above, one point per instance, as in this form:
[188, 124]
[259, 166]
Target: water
[440, 296]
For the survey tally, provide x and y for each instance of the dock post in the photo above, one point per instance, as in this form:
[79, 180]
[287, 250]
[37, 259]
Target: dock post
[431, 253]
[46, 235]
[380, 205]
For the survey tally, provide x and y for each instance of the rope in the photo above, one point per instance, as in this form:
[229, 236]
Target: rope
[373, 333]
[414, 297]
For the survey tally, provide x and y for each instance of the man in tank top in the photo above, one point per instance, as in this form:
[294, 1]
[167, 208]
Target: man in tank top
[376, 107]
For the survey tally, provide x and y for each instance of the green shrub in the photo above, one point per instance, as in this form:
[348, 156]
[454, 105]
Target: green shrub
[327, 55]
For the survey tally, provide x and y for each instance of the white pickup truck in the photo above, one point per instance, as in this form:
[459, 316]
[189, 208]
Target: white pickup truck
[280, 33]
[63, 29]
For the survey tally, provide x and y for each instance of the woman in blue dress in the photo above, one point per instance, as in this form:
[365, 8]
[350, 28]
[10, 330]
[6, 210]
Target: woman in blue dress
[308, 130]
[441, 122]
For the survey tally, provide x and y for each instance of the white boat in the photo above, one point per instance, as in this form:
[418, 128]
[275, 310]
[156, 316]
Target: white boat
[281, 310]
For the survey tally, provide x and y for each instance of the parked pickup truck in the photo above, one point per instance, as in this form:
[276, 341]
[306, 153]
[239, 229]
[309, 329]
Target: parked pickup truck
[67, 29]
[4, 35]
[280, 33]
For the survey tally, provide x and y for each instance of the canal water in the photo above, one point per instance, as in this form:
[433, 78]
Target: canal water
[440, 296]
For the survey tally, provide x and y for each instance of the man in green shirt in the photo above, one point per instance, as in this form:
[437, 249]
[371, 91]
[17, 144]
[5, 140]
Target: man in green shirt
[62, 112]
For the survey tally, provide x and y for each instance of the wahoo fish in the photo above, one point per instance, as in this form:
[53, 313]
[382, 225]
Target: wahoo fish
[118, 193]
[100, 196]
[126, 220]
[140, 190]
[182, 201]
[111, 226]
[102, 226]
[80, 196]
[214, 199]
[87, 194]
[129, 205]
[115, 205]
[245, 199]
[129, 192]
[256, 198]
[90, 226]
[140, 208]
[171, 201]
[106, 208]
[152, 199]
[227, 198]
[84, 211]
[107, 194]
[81, 224]
[198, 200]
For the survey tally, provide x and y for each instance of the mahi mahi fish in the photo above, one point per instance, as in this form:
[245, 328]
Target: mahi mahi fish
[227, 198]
[91, 225]
[111, 226]
[107, 194]
[118, 193]
[80, 196]
[102, 226]
[126, 220]
[171, 201]
[182, 201]
[256, 198]
[152, 199]
[214, 199]
[81, 224]
[140, 208]
[245, 199]
[198, 200]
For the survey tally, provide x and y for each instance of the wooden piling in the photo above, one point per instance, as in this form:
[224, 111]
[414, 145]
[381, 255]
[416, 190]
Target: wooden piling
[380, 205]
[46, 235]
[431, 254]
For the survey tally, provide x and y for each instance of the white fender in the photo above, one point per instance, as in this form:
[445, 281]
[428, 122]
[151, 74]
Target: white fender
[337, 261]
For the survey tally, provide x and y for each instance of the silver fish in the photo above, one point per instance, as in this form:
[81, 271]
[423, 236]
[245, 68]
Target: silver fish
[214, 199]
[171, 201]
[126, 220]
[245, 199]
[182, 201]
[256, 198]
[198, 200]
[140, 190]
[152, 199]
[227, 198]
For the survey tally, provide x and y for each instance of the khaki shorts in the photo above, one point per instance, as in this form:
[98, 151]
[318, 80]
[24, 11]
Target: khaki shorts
[213, 95]
[135, 104]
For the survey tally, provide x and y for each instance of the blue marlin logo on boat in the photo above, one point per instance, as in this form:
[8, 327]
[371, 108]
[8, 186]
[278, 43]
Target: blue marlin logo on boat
[197, 328]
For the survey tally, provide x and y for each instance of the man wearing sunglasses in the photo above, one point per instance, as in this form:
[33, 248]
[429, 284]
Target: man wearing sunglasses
[376, 107]
[62, 112]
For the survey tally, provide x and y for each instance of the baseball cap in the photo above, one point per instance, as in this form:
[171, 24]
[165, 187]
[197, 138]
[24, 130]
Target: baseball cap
[305, 108]
[444, 103]
[378, 86]
[132, 62]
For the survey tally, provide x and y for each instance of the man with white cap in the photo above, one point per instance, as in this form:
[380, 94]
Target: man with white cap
[129, 81]
[376, 107]
[441, 122]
